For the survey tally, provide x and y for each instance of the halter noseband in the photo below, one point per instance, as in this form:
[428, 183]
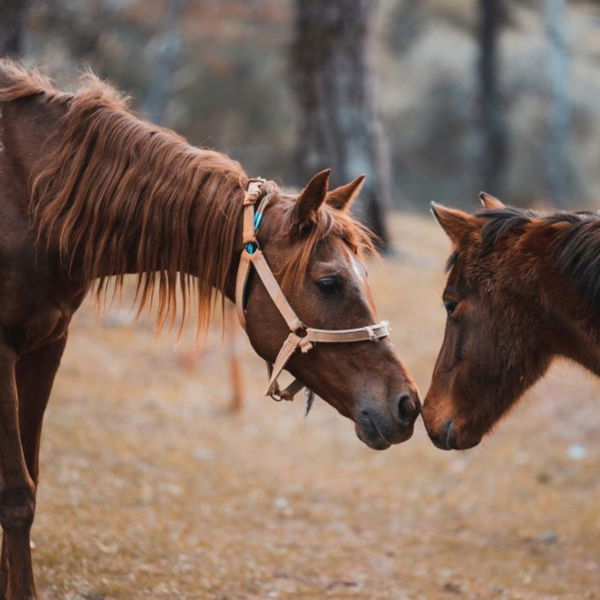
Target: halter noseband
[300, 335]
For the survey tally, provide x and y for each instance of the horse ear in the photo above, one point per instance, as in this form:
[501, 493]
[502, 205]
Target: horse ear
[311, 197]
[455, 223]
[343, 196]
[490, 201]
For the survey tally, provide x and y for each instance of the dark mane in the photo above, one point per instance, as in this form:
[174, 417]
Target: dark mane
[501, 221]
[118, 193]
[576, 246]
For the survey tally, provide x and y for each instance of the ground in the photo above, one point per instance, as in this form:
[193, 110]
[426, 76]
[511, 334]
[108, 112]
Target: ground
[150, 488]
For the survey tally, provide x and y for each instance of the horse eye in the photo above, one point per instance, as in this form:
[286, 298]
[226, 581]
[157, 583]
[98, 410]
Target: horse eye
[330, 286]
[450, 306]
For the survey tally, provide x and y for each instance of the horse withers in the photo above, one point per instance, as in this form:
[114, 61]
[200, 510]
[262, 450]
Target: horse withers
[89, 193]
[523, 287]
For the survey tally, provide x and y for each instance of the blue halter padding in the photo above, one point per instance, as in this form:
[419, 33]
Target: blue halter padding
[258, 215]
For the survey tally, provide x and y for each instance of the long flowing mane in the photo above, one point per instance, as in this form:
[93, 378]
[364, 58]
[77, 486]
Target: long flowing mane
[576, 244]
[117, 194]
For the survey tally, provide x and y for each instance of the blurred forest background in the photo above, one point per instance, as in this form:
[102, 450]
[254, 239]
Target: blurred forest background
[151, 487]
[460, 94]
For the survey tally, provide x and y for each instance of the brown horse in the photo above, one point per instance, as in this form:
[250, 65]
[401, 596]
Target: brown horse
[523, 287]
[88, 192]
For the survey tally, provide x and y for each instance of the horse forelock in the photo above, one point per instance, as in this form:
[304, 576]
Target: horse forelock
[329, 224]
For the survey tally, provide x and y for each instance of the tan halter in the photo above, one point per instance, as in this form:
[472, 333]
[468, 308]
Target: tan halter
[300, 336]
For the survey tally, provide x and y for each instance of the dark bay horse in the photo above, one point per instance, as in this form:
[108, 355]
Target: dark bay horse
[89, 193]
[523, 287]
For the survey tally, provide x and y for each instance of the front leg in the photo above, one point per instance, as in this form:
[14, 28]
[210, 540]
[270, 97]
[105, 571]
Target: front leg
[35, 373]
[17, 489]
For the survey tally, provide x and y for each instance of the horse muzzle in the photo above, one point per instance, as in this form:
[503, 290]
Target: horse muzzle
[449, 437]
[379, 429]
[446, 438]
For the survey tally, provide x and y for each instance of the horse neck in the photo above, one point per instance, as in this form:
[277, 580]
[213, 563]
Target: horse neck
[156, 206]
[210, 236]
[572, 324]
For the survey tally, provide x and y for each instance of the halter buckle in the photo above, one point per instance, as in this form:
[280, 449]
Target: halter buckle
[305, 344]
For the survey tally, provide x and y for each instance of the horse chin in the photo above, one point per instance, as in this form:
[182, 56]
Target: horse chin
[451, 438]
[466, 444]
[464, 440]
[374, 439]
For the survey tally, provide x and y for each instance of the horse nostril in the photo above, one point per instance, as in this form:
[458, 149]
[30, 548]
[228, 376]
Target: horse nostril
[448, 434]
[407, 410]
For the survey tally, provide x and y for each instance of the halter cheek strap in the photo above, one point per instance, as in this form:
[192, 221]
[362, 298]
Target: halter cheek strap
[300, 337]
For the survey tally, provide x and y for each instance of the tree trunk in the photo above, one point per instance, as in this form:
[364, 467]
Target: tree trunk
[12, 26]
[333, 82]
[493, 123]
[557, 163]
[155, 105]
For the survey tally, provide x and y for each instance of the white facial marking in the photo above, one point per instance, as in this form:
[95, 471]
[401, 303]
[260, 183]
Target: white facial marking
[358, 276]
[356, 268]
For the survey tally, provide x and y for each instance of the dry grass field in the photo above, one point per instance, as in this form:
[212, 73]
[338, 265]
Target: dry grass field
[151, 489]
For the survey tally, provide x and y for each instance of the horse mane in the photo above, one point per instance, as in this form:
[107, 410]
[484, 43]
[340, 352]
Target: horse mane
[17, 81]
[575, 247]
[118, 192]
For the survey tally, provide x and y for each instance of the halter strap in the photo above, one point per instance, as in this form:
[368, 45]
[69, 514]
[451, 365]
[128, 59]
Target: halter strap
[300, 336]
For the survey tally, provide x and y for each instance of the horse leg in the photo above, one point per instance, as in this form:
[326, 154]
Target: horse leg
[35, 373]
[3, 569]
[17, 489]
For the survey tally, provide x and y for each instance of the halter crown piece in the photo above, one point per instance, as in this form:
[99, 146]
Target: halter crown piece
[300, 336]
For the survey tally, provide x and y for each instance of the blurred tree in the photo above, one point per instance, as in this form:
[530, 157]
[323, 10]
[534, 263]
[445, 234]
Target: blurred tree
[493, 122]
[12, 26]
[557, 156]
[79, 28]
[332, 78]
[407, 20]
[164, 64]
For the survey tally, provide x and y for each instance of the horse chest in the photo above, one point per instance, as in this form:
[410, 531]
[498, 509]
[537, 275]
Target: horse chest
[48, 322]
[33, 312]
[46, 326]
